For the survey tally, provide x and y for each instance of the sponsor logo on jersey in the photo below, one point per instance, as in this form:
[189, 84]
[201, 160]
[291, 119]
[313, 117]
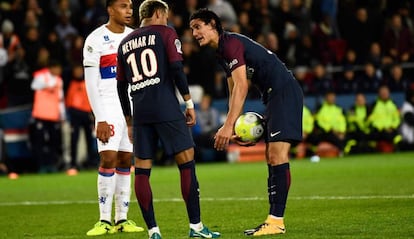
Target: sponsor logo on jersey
[145, 83]
[233, 62]
[178, 46]
[108, 66]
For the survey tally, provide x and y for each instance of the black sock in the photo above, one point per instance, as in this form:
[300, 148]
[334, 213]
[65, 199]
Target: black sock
[278, 188]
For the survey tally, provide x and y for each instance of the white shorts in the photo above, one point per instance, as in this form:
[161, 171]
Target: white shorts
[119, 140]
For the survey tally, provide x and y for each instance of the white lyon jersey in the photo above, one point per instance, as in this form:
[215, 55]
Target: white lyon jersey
[99, 59]
[100, 50]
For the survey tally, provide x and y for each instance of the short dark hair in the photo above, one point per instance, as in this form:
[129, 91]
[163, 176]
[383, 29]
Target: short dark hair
[109, 2]
[207, 16]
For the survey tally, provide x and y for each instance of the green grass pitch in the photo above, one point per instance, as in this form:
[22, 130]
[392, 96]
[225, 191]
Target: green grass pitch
[365, 196]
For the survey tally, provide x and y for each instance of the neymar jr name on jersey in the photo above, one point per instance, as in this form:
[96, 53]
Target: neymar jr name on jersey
[135, 43]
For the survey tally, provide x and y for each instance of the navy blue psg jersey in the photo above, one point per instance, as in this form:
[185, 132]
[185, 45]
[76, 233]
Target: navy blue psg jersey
[263, 67]
[144, 59]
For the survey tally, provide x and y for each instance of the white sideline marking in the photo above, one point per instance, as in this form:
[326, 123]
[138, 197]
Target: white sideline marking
[35, 203]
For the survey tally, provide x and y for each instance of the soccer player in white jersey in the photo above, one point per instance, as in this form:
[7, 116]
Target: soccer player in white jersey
[114, 146]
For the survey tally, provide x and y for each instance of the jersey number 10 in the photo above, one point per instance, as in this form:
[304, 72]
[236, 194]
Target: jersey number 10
[148, 62]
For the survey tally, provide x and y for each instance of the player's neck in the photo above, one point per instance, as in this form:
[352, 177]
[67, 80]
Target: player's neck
[115, 27]
[215, 42]
[150, 21]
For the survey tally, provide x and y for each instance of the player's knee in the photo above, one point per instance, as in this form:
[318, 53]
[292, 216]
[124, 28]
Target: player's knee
[184, 156]
[277, 158]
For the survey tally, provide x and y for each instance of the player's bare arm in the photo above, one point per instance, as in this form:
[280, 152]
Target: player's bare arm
[236, 101]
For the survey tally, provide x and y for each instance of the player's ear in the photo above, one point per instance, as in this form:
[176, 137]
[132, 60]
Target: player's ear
[110, 10]
[212, 23]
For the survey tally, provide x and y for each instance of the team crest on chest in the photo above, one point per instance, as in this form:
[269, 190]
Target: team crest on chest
[178, 46]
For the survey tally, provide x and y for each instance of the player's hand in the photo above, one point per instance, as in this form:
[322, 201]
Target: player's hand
[222, 138]
[103, 131]
[236, 139]
[190, 115]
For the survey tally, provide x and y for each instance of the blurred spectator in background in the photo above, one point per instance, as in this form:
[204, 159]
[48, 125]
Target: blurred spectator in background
[272, 43]
[225, 11]
[184, 13]
[305, 53]
[347, 82]
[48, 114]
[322, 34]
[55, 47]
[302, 76]
[81, 119]
[321, 81]
[301, 17]
[376, 56]
[384, 120]
[407, 124]
[43, 58]
[405, 11]
[360, 35]
[32, 19]
[357, 128]
[201, 66]
[350, 58]
[245, 27]
[280, 16]
[74, 56]
[65, 29]
[32, 45]
[396, 80]
[330, 123]
[208, 122]
[262, 17]
[368, 80]
[18, 79]
[9, 40]
[290, 44]
[397, 40]
[92, 14]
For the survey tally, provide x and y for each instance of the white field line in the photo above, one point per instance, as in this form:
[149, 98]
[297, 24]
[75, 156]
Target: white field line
[63, 202]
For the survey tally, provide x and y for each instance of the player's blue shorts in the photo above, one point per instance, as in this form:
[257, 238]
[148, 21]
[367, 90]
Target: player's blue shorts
[175, 136]
[283, 115]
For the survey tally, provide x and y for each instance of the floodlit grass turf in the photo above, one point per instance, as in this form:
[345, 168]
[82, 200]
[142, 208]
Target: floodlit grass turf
[369, 196]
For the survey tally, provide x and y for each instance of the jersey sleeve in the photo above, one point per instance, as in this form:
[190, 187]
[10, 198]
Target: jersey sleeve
[91, 61]
[173, 46]
[233, 53]
[91, 52]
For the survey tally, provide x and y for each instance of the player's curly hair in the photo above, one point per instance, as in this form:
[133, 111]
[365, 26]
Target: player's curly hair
[148, 7]
[207, 16]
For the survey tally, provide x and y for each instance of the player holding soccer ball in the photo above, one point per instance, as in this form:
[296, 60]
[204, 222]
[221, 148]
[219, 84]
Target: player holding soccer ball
[243, 60]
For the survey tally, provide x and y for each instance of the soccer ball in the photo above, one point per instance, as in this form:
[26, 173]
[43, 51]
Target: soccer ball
[249, 127]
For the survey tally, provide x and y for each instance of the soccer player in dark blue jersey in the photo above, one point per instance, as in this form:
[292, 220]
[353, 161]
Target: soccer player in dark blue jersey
[150, 61]
[244, 59]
